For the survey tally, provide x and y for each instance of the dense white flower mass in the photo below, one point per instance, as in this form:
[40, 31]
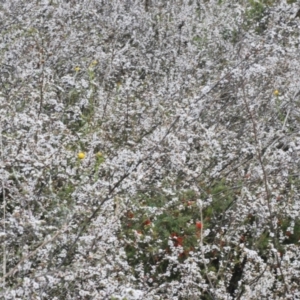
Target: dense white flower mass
[149, 149]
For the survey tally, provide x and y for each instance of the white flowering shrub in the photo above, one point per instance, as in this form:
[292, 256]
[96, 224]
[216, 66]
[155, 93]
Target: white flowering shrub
[149, 149]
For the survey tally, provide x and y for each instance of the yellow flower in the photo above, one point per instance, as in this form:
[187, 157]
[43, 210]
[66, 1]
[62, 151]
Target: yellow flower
[276, 93]
[81, 155]
[77, 69]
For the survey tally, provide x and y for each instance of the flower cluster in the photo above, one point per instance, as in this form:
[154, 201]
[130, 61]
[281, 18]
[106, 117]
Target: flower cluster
[149, 150]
